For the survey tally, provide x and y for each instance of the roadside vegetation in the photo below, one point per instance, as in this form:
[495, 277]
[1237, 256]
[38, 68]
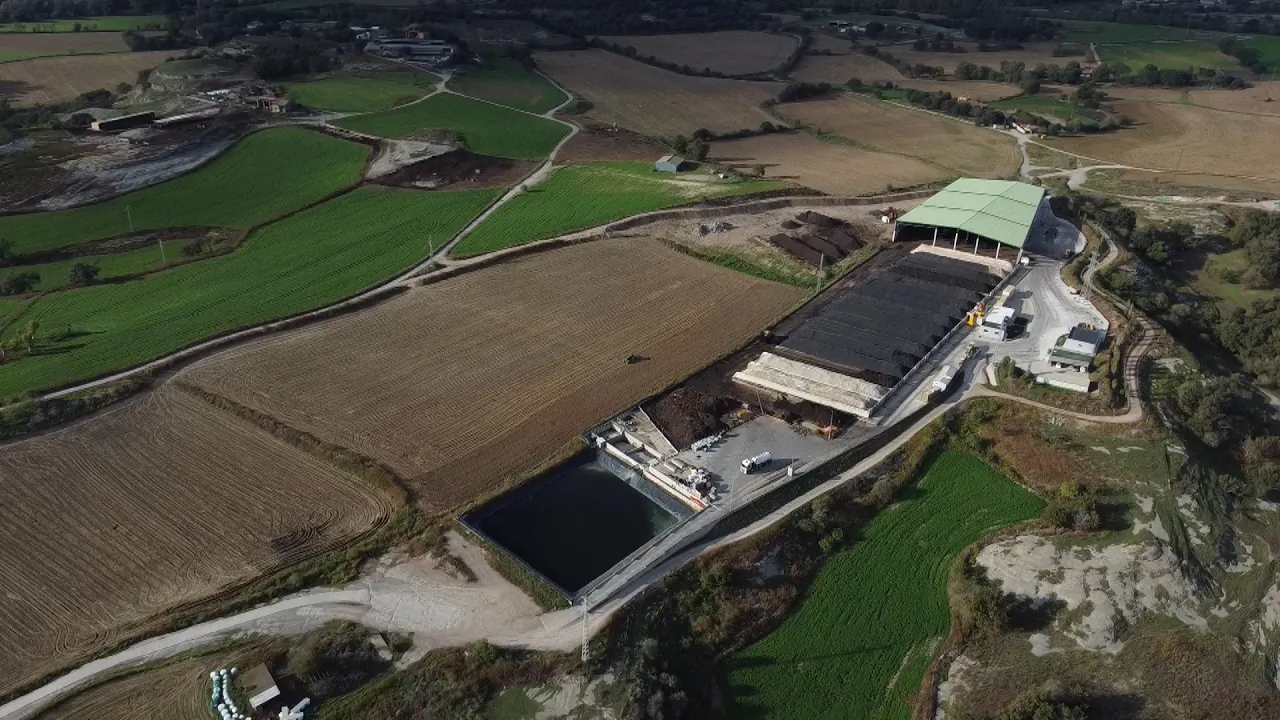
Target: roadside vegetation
[315, 257]
[481, 127]
[362, 92]
[508, 82]
[584, 196]
[264, 176]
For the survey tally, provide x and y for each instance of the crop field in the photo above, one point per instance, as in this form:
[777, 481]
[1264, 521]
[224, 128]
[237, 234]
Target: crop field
[1046, 105]
[863, 638]
[1087, 31]
[265, 175]
[176, 691]
[954, 145]
[1268, 47]
[541, 339]
[54, 275]
[1168, 55]
[50, 80]
[654, 102]
[732, 52]
[159, 502]
[583, 196]
[835, 169]
[1188, 139]
[362, 92]
[112, 24]
[1030, 54]
[22, 46]
[487, 129]
[1248, 101]
[315, 257]
[839, 69]
[509, 83]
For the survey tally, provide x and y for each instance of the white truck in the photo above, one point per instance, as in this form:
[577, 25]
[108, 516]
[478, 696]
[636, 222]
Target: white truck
[752, 464]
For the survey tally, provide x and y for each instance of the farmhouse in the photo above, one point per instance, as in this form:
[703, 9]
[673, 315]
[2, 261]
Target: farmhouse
[985, 215]
[669, 164]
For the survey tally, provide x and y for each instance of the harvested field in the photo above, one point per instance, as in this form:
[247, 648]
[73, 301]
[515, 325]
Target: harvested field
[732, 52]
[839, 69]
[17, 46]
[1261, 99]
[830, 43]
[1187, 139]
[826, 167]
[652, 101]
[541, 340]
[459, 170]
[161, 502]
[1031, 54]
[954, 145]
[53, 80]
[602, 144]
[177, 691]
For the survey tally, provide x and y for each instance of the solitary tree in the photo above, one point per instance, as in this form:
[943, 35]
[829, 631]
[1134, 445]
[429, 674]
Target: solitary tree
[83, 274]
[19, 283]
[680, 144]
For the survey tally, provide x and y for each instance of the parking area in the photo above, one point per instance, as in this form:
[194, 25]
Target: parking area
[787, 446]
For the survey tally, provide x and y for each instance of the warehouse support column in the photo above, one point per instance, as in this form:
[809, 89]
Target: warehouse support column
[997, 251]
[976, 239]
[894, 238]
[956, 242]
[935, 236]
[1019, 260]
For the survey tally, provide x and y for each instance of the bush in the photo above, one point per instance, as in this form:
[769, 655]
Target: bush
[335, 662]
[1074, 507]
[82, 274]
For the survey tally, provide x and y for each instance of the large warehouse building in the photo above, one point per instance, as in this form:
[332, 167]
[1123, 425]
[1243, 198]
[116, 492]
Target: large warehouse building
[853, 353]
[979, 216]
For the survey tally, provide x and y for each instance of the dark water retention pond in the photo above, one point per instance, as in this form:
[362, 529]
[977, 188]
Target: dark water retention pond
[578, 520]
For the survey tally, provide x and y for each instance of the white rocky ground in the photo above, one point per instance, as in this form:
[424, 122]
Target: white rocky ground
[1111, 586]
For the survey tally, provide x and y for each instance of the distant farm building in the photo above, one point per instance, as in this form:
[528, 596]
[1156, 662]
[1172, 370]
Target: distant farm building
[669, 164]
[978, 216]
[435, 51]
[124, 122]
[274, 104]
[1077, 350]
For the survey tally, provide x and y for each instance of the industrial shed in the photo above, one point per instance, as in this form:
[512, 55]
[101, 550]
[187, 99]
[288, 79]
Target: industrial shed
[975, 215]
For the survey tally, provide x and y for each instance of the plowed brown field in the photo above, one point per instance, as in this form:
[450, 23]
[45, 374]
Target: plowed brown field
[732, 52]
[839, 69]
[109, 523]
[1187, 139]
[465, 383]
[652, 101]
[58, 79]
[179, 691]
[952, 144]
[1031, 54]
[826, 167]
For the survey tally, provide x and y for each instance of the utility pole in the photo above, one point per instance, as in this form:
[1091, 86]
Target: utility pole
[128, 209]
[163, 260]
[586, 610]
[818, 286]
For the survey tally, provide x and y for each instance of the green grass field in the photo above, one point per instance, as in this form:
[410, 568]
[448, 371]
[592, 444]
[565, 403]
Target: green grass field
[113, 23]
[1268, 47]
[1087, 31]
[1041, 105]
[487, 129]
[322, 254]
[364, 92]
[264, 176]
[509, 83]
[864, 636]
[583, 196]
[54, 275]
[1167, 55]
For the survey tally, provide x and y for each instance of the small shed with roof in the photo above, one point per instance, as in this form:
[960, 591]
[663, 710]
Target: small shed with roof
[669, 164]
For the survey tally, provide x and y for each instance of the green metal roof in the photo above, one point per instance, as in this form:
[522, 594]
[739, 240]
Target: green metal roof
[1000, 210]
